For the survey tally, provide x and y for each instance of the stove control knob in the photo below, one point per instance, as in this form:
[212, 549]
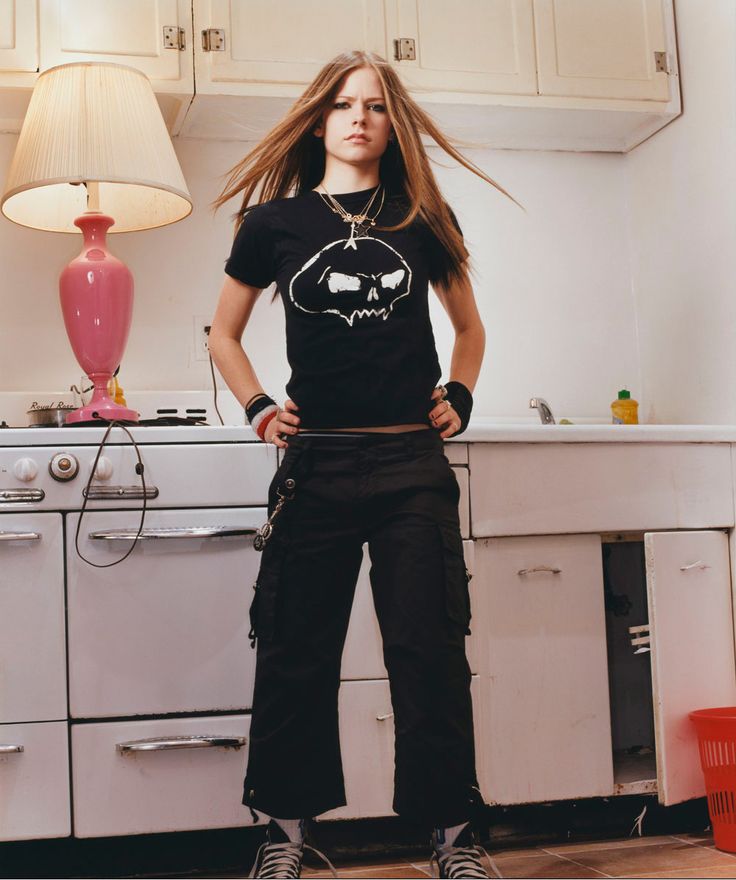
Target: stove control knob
[25, 469]
[103, 471]
[63, 466]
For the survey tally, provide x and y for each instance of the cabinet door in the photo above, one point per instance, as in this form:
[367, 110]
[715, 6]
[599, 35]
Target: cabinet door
[692, 641]
[544, 670]
[32, 631]
[18, 35]
[367, 745]
[604, 49]
[484, 46]
[261, 46]
[119, 31]
[34, 781]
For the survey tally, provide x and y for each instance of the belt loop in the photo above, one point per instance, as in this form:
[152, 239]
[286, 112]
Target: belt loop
[409, 444]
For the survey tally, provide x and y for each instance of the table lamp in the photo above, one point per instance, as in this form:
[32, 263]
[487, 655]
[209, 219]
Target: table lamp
[94, 153]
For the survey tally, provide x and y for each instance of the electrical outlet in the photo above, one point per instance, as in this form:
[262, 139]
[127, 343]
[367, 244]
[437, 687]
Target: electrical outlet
[201, 336]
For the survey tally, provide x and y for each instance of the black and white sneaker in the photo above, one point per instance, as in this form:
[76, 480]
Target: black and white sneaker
[280, 858]
[463, 859]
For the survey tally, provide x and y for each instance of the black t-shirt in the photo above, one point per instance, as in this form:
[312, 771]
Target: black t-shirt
[358, 335]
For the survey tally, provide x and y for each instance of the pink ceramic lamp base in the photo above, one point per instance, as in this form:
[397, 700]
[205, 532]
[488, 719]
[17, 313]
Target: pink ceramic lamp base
[96, 291]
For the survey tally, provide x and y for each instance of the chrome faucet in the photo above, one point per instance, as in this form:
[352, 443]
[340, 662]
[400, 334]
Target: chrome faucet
[545, 413]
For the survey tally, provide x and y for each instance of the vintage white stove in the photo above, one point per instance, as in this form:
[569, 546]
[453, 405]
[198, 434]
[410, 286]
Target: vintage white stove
[139, 672]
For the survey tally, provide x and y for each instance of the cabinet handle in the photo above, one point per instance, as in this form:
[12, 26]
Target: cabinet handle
[384, 717]
[539, 568]
[203, 741]
[13, 496]
[698, 564]
[166, 533]
[115, 493]
[10, 748]
[19, 536]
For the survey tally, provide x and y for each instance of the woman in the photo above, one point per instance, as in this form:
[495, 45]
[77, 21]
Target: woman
[351, 225]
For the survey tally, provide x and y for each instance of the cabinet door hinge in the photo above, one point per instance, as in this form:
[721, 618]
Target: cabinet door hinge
[174, 38]
[404, 50]
[213, 40]
[661, 64]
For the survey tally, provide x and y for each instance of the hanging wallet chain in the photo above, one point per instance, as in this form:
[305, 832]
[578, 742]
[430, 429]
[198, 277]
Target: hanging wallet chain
[264, 533]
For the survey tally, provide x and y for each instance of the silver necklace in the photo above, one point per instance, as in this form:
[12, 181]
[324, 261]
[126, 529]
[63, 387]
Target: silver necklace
[358, 222]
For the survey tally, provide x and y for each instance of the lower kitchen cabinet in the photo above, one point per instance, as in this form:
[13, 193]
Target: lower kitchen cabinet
[367, 745]
[594, 652]
[544, 683]
[34, 781]
[164, 779]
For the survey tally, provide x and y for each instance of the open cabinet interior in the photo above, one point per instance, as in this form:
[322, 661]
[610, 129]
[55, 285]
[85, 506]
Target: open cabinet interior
[629, 664]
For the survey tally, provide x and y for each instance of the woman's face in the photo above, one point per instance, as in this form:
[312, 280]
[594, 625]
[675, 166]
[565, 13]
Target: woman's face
[356, 126]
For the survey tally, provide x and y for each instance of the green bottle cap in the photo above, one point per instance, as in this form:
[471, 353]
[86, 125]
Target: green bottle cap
[624, 394]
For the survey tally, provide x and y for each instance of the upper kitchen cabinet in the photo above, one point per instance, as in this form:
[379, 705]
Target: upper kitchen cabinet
[154, 36]
[613, 49]
[517, 74]
[487, 48]
[247, 42]
[251, 65]
[18, 40]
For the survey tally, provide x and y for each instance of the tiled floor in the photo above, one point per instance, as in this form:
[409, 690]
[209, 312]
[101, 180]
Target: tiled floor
[686, 855]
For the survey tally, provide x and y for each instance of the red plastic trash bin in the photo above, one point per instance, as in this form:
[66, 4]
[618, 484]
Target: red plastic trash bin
[716, 730]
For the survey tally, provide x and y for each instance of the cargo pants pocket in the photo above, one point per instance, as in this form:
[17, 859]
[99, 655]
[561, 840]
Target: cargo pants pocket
[263, 607]
[457, 578]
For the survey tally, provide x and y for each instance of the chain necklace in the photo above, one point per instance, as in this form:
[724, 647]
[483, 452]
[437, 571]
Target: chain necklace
[360, 222]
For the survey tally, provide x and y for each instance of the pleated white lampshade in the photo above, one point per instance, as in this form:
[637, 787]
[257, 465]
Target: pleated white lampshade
[94, 122]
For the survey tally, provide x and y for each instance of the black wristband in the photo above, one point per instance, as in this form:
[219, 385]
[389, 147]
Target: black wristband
[462, 402]
[259, 404]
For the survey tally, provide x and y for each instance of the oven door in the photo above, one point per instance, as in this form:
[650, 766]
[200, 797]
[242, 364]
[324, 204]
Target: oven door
[166, 630]
[32, 638]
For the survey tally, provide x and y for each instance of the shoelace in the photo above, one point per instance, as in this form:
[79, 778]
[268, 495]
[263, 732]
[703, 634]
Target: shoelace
[461, 861]
[283, 860]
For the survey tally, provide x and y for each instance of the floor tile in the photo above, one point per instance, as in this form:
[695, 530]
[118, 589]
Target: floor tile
[715, 871]
[405, 870]
[664, 856]
[613, 843]
[545, 865]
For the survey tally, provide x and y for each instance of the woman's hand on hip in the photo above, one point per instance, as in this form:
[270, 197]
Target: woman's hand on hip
[285, 422]
[442, 416]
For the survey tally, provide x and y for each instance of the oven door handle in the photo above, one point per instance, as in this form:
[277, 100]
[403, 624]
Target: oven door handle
[19, 536]
[204, 741]
[168, 533]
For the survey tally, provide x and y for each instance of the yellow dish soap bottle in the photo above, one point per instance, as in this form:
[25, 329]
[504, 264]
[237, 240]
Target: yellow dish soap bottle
[625, 411]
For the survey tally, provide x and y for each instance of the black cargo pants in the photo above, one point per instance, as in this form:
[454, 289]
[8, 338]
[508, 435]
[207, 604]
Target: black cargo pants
[398, 492]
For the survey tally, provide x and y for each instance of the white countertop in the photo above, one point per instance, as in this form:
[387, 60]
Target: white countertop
[492, 431]
[488, 430]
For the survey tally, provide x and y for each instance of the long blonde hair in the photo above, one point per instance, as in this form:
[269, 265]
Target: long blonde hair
[291, 159]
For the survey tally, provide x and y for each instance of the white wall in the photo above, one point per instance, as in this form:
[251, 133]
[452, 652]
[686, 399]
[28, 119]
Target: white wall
[682, 204]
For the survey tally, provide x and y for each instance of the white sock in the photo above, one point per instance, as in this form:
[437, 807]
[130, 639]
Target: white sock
[293, 828]
[448, 836]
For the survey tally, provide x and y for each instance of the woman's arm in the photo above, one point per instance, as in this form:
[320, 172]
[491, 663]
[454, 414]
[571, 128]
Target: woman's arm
[228, 325]
[458, 300]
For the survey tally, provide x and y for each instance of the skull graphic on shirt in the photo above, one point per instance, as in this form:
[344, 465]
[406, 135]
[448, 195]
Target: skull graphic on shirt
[355, 279]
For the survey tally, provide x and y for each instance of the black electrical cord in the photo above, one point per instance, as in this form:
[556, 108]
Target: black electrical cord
[139, 469]
[214, 390]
